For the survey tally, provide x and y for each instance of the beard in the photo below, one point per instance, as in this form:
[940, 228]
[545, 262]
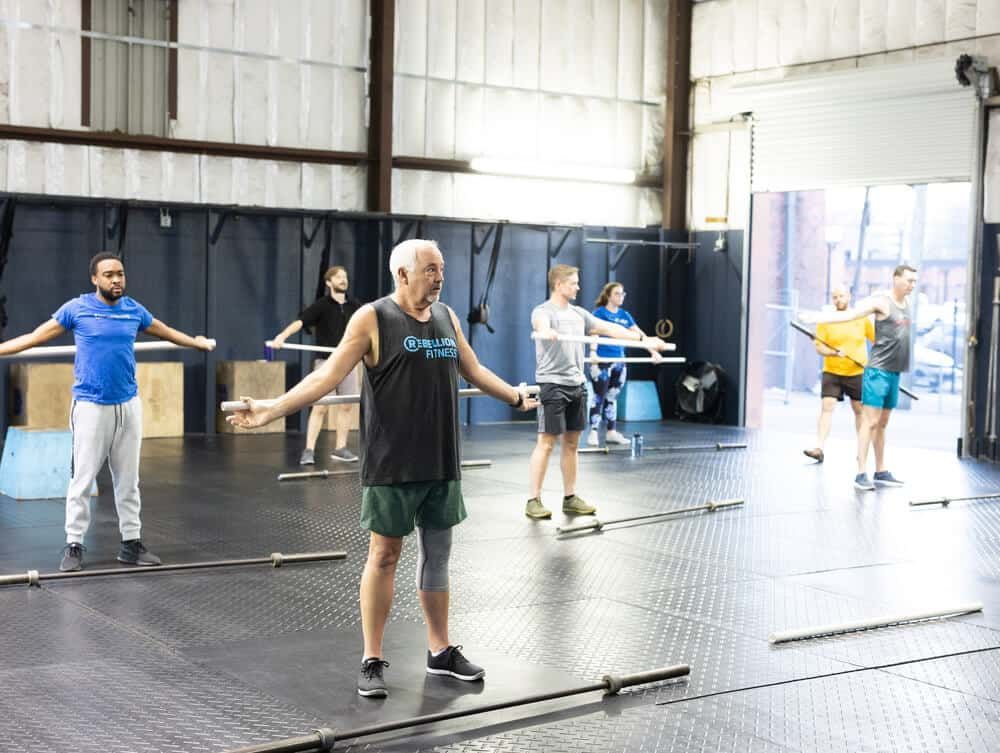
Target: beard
[111, 294]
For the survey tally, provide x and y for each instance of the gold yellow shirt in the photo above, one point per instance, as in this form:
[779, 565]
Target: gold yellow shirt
[848, 337]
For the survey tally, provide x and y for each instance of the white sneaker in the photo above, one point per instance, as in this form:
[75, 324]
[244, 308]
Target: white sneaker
[592, 438]
[615, 437]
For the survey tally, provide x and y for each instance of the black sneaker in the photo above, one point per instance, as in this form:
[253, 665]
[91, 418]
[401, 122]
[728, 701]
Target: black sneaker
[371, 684]
[451, 662]
[133, 552]
[72, 558]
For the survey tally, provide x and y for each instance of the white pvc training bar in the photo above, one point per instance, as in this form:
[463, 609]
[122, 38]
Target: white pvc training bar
[294, 346]
[664, 360]
[234, 405]
[871, 624]
[591, 340]
[49, 351]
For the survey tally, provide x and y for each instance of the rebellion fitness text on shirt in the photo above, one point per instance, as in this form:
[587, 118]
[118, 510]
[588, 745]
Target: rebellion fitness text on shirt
[438, 347]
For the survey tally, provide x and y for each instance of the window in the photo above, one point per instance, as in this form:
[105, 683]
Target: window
[128, 86]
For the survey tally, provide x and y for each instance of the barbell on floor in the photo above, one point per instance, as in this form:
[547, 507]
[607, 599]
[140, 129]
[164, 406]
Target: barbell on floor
[276, 559]
[946, 500]
[718, 446]
[596, 525]
[322, 740]
[303, 475]
[873, 623]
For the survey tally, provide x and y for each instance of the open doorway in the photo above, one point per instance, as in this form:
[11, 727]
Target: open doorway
[805, 243]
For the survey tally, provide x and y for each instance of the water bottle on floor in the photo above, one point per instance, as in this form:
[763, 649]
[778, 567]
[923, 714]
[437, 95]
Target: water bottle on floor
[637, 445]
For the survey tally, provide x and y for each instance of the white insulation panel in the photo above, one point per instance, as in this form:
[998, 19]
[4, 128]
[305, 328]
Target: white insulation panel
[731, 36]
[521, 199]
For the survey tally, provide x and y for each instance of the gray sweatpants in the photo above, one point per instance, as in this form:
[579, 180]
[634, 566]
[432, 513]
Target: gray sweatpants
[112, 433]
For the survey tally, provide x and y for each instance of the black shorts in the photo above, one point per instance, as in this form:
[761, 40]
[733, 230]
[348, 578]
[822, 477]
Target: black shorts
[837, 386]
[561, 408]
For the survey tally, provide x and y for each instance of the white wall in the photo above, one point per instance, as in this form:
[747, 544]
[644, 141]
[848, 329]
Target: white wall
[562, 81]
[309, 91]
[736, 42]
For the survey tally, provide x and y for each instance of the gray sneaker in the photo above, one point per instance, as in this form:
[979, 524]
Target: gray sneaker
[371, 684]
[308, 457]
[343, 455]
[133, 552]
[72, 558]
[863, 483]
[884, 478]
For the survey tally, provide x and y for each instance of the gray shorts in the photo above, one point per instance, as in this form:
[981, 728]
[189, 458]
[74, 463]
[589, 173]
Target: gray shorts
[349, 386]
[561, 408]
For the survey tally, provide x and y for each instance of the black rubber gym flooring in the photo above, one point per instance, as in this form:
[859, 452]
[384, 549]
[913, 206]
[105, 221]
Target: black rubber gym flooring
[210, 660]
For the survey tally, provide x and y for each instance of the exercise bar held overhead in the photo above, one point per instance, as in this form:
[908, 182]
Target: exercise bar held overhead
[592, 340]
[49, 351]
[233, 405]
[325, 738]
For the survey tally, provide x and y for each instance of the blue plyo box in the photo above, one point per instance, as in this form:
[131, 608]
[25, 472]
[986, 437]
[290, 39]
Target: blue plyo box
[639, 401]
[36, 463]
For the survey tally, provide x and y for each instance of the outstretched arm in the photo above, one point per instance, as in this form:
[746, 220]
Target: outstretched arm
[610, 329]
[876, 305]
[48, 330]
[287, 332]
[479, 376]
[357, 343]
[162, 331]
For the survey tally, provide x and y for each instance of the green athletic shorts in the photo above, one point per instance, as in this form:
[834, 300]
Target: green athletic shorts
[395, 509]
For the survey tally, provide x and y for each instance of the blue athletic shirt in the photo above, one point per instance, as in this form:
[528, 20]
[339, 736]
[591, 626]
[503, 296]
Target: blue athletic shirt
[621, 318]
[104, 368]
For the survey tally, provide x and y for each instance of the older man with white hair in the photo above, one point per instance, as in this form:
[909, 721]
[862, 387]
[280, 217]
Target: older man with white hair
[414, 352]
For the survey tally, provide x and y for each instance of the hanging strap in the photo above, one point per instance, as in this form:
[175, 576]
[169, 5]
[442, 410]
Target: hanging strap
[481, 313]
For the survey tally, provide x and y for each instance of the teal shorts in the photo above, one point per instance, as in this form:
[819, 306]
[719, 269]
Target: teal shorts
[395, 509]
[880, 388]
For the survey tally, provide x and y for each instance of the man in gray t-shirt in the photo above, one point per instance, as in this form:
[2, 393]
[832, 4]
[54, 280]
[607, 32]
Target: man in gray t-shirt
[562, 410]
[890, 357]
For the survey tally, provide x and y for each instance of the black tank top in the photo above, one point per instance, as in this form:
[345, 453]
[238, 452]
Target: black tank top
[409, 401]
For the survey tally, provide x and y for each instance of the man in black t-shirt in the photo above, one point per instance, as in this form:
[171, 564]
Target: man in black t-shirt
[328, 316]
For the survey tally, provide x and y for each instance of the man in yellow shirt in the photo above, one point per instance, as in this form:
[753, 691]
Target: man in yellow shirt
[841, 375]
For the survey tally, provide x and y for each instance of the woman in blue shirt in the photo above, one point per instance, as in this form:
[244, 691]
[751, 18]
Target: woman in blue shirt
[608, 377]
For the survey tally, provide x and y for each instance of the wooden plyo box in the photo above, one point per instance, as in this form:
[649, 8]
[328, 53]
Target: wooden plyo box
[331, 415]
[41, 395]
[259, 379]
[161, 389]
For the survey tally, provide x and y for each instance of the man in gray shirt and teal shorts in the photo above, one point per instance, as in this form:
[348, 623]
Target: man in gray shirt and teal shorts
[562, 410]
[890, 357]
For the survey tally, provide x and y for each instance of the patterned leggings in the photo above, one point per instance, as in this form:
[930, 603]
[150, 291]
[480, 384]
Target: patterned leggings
[604, 403]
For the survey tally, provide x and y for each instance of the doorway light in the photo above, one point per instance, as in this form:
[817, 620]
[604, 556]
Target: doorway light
[535, 169]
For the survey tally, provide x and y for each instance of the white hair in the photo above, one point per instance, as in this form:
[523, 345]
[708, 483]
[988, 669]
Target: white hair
[404, 256]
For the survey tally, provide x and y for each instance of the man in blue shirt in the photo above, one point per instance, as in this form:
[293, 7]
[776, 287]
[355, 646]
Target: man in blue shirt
[106, 415]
